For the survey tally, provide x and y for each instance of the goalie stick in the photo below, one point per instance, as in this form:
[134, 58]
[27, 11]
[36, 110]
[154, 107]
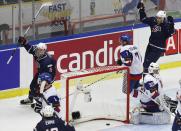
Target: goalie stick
[165, 108]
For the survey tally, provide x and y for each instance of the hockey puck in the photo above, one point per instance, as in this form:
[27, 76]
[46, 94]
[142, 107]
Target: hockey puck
[76, 115]
[107, 124]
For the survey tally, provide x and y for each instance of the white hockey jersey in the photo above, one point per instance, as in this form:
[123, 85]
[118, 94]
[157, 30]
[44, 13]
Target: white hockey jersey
[51, 97]
[49, 93]
[136, 66]
[147, 96]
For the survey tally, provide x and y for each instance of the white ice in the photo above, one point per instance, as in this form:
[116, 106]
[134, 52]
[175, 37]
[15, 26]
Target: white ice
[15, 117]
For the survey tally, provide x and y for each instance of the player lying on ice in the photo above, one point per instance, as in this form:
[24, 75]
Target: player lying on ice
[50, 122]
[130, 57]
[46, 94]
[153, 108]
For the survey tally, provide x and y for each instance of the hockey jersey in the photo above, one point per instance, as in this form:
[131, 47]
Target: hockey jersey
[52, 98]
[159, 33]
[147, 96]
[46, 63]
[53, 124]
[131, 57]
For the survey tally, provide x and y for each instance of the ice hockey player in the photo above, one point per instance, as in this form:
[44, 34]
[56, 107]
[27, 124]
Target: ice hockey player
[153, 108]
[177, 120]
[44, 61]
[50, 122]
[47, 94]
[130, 57]
[162, 27]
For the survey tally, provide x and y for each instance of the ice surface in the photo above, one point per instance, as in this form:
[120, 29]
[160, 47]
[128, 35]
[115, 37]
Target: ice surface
[15, 117]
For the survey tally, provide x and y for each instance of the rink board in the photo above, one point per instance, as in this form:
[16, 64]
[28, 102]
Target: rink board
[20, 71]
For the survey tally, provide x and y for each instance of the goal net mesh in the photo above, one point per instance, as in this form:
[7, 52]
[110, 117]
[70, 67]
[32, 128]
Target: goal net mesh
[97, 94]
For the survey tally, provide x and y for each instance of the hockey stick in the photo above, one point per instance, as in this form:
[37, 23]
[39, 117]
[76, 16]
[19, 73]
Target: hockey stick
[165, 108]
[36, 15]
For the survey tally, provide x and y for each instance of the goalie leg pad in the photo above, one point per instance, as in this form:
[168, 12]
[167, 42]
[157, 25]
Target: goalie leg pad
[157, 118]
[135, 118]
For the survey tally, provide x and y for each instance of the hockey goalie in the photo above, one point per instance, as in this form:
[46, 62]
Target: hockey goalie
[152, 108]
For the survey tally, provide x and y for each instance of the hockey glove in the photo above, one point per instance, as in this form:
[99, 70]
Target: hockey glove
[140, 5]
[119, 62]
[170, 19]
[22, 40]
[38, 106]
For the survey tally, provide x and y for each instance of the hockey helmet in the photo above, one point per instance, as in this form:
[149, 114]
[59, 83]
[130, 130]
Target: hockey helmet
[150, 83]
[45, 77]
[161, 14]
[47, 111]
[40, 49]
[125, 38]
[42, 46]
[154, 68]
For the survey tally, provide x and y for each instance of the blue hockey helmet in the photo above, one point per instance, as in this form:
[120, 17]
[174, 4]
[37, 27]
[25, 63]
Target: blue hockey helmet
[126, 38]
[45, 77]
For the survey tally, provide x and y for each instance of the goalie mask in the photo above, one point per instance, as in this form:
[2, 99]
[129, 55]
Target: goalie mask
[154, 68]
[40, 49]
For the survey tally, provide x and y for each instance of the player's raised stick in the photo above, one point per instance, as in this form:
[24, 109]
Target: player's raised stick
[36, 15]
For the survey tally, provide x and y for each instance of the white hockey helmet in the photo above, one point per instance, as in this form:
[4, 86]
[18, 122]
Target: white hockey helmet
[161, 14]
[40, 49]
[47, 111]
[42, 46]
[154, 68]
[150, 82]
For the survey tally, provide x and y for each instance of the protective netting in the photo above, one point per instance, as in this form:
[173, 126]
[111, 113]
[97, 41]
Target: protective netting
[96, 94]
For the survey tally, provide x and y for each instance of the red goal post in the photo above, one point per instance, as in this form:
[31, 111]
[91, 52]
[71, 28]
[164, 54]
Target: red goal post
[96, 94]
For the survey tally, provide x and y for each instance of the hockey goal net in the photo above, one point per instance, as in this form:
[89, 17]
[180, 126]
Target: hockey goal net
[96, 94]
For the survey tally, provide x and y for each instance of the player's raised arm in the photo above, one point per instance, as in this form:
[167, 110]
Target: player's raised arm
[143, 16]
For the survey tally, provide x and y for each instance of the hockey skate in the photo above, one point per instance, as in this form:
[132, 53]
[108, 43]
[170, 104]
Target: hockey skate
[26, 101]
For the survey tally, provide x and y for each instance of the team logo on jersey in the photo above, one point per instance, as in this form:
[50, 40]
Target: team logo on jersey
[156, 28]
